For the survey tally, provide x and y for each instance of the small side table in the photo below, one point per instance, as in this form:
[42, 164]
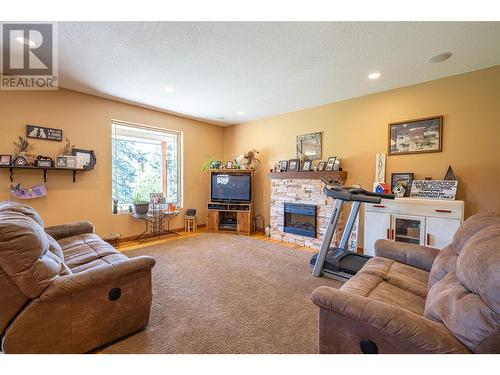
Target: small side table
[190, 224]
[155, 223]
[112, 238]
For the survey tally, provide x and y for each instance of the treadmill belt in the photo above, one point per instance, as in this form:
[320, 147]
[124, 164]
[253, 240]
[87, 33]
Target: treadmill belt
[352, 263]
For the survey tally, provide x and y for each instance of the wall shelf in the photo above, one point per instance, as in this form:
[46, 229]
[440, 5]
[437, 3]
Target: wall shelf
[334, 175]
[44, 169]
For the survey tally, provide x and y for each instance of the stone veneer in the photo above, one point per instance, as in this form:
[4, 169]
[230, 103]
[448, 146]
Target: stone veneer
[307, 191]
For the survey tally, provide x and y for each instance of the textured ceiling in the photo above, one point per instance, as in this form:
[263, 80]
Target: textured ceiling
[218, 69]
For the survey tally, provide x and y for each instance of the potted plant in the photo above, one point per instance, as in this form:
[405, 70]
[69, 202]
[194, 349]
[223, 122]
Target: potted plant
[211, 163]
[140, 206]
[22, 150]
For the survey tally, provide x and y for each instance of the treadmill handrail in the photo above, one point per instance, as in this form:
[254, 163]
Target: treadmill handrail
[348, 196]
[351, 194]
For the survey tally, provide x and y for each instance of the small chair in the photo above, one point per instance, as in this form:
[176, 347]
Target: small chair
[190, 224]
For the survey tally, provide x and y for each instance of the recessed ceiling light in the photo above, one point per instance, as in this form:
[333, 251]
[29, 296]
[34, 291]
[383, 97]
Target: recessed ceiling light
[169, 89]
[25, 41]
[438, 58]
[241, 113]
[374, 75]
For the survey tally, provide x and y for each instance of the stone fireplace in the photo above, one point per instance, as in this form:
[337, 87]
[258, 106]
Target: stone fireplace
[303, 195]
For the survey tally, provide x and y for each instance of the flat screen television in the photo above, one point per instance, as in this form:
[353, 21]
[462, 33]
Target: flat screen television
[231, 187]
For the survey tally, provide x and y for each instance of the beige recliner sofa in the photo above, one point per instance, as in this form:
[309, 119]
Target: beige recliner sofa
[415, 299]
[63, 289]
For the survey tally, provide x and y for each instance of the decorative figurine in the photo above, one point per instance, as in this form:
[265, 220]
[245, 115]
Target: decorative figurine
[399, 191]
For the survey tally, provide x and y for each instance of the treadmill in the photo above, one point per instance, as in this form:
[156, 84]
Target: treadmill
[337, 262]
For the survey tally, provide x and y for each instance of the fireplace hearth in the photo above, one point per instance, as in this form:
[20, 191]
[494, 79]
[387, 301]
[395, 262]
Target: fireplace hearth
[300, 219]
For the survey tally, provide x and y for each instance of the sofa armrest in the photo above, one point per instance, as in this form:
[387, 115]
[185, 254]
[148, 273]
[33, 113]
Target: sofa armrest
[97, 276]
[71, 229]
[413, 255]
[402, 327]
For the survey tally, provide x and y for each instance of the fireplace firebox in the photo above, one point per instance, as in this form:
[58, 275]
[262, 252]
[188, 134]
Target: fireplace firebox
[300, 219]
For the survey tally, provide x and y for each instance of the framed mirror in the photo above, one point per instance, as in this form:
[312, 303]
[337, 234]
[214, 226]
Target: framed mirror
[309, 146]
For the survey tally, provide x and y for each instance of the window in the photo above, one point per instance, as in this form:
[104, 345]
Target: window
[145, 160]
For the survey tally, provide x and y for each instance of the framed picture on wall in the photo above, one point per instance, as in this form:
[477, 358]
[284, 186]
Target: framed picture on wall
[416, 136]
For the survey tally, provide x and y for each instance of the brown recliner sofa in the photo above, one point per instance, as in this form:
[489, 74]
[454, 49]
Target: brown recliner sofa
[63, 289]
[416, 299]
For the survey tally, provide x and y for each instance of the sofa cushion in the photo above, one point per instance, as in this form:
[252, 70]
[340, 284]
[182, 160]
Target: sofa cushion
[25, 255]
[374, 287]
[85, 248]
[103, 261]
[411, 279]
[21, 209]
[467, 300]
[445, 261]
[56, 249]
[471, 226]
[478, 266]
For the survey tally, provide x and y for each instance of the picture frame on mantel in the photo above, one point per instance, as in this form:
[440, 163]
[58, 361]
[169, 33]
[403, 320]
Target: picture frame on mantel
[330, 163]
[321, 166]
[294, 165]
[283, 164]
[417, 136]
[306, 165]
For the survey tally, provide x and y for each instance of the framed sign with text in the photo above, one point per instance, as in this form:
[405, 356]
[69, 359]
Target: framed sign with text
[434, 189]
[41, 132]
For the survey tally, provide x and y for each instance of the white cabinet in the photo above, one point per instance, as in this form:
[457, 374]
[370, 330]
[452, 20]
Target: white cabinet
[427, 222]
[408, 229]
[379, 224]
[438, 231]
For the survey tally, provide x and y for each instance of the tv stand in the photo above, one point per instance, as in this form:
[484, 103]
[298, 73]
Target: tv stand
[229, 206]
[230, 217]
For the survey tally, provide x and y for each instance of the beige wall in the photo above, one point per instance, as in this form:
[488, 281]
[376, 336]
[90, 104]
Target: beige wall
[354, 130]
[86, 120]
[357, 129]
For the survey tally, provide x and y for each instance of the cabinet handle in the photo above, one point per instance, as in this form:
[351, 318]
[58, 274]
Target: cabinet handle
[445, 211]
[378, 206]
[388, 234]
[428, 239]
[392, 234]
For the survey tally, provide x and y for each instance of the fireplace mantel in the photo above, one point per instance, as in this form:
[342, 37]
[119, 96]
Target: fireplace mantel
[313, 175]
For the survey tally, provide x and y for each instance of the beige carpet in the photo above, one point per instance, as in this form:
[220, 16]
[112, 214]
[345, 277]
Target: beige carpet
[222, 293]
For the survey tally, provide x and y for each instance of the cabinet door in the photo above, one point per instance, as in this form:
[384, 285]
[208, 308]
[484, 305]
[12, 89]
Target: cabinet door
[377, 227]
[212, 221]
[440, 232]
[408, 229]
[243, 222]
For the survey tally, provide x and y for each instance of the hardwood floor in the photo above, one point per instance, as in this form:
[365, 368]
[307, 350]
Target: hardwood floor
[132, 245]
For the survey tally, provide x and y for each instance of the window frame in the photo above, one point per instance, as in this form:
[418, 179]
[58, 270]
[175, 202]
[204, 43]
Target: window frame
[180, 154]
